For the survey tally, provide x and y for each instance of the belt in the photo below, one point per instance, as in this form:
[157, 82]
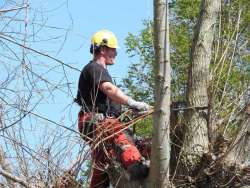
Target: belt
[100, 108]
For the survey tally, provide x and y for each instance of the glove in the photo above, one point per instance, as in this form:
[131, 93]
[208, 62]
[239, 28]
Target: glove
[141, 106]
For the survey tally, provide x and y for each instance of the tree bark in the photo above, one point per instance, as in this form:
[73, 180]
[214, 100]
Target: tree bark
[196, 136]
[160, 152]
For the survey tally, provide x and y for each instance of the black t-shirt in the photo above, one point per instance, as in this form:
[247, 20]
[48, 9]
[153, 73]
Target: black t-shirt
[89, 96]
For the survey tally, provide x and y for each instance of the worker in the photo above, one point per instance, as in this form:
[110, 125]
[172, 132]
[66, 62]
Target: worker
[99, 98]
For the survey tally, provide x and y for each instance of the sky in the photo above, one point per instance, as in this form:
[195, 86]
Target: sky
[86, 17]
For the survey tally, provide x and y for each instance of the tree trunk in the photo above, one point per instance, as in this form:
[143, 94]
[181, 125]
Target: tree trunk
[196, 135]
[160, 152]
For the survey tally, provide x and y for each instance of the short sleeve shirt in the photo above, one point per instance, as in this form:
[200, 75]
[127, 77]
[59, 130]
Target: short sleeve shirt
[88, 94]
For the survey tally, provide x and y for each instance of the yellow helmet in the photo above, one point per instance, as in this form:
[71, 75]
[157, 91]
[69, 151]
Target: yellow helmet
[103, 38]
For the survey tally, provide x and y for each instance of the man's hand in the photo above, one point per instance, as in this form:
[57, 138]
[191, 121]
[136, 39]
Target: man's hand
[141, 106]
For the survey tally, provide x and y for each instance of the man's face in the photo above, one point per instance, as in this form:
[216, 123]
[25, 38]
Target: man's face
[109, 54]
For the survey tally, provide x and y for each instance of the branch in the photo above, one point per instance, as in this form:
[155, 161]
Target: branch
[6, 166]
[15, 178]
[40, 53]
[13, 9]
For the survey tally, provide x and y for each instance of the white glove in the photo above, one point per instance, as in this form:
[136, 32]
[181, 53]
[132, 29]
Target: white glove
[141, 106]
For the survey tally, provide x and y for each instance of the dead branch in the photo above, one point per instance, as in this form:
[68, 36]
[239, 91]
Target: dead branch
[13, 9]
[15, 178]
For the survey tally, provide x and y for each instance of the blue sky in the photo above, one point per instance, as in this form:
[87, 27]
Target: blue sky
[88, 17]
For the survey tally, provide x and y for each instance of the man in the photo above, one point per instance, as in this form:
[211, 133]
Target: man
[98, 97]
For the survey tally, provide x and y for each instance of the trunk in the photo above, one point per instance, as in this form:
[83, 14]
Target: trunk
[196, 135]
[160, 153]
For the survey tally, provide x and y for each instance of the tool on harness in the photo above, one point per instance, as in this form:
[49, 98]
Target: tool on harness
[87, 123]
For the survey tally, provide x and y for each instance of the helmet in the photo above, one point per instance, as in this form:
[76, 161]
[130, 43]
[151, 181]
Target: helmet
[103, 38]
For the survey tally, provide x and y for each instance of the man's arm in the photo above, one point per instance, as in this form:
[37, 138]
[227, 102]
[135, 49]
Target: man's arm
[116, 95]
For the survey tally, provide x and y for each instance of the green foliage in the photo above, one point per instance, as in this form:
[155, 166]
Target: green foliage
[144, 127]
[235, 67]
[231, 67]
[140, 80]
[183, 17]
[186, 10]
[180, 43]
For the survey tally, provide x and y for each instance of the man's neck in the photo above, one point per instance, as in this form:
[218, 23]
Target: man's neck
[101, 62]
